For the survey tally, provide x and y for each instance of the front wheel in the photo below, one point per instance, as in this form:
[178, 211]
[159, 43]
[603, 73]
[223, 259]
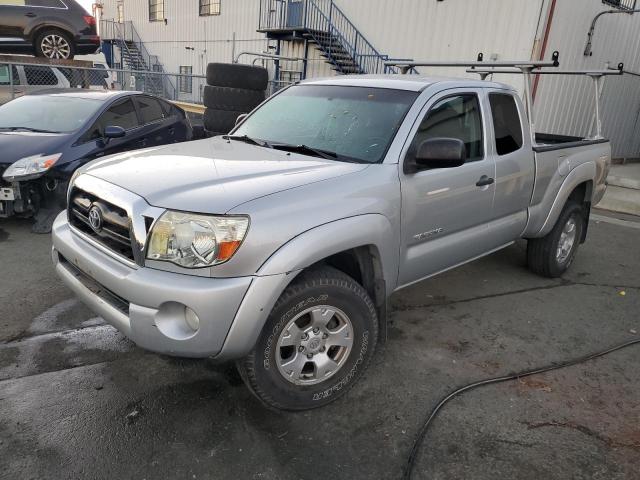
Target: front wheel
[551, 255]
[316, 343]
[55, 44]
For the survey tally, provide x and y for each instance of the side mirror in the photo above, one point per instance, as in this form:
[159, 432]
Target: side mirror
[113, 131]
[241, 118]
[441, 153]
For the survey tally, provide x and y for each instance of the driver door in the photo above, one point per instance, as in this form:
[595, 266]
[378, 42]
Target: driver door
[446, 211]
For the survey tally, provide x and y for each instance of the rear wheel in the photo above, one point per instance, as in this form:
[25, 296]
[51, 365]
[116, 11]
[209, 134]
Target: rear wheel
[317, 341]
[551, 255]
[55, 44]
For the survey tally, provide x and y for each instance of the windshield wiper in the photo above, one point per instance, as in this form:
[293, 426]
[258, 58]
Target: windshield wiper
[306, 150]
[248, 139]
[28, 129]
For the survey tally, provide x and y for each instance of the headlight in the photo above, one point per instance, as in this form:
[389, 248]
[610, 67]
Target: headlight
[194, 241]
[30, 167]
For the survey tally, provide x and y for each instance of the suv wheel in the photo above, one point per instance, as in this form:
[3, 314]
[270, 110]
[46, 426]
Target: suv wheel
[317, 341]
[54, 44]
[551, 255]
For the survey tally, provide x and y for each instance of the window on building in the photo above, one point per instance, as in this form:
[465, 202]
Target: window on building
[156, 10]
[186, 81]
[454, 117]
[506, 123]
[120, 12]
[621, 4]
[209, 7]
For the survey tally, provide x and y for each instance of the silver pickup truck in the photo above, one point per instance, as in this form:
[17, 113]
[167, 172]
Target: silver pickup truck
[278, 245]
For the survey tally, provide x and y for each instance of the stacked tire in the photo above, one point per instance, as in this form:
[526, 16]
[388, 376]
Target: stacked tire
[232, 89]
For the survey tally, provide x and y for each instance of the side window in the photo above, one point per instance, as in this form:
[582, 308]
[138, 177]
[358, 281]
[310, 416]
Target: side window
[168, 109]
[150, 109]
[122, 114]
[454, 117]
[44, 3]
[40, 76]
[506, 123]
[4, 75]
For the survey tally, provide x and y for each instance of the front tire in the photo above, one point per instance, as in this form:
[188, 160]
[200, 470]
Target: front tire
[55, 44]
[317, 341]
[551, 255]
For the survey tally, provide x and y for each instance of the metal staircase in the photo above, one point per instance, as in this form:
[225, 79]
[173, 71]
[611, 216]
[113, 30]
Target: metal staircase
[134, 56]
[323, 23]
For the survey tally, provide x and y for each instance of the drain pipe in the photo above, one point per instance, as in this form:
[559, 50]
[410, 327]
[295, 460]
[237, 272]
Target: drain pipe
[587, 49]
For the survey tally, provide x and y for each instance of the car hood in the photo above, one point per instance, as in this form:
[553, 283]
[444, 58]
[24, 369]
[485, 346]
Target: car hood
[17, 145]
[212, 175]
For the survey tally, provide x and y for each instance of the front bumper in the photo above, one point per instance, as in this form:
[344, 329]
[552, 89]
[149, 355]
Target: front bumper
[148, 305]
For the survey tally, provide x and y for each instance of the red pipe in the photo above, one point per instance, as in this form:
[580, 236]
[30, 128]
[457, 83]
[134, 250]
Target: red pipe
[545, 39]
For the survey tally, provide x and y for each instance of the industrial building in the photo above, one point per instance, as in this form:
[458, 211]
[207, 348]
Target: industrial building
[331, 37]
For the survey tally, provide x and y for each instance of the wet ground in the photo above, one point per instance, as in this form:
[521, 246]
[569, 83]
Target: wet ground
[77, 400]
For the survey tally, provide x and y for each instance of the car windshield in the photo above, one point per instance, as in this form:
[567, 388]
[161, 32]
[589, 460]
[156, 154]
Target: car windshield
[354, 123]
[49, 113]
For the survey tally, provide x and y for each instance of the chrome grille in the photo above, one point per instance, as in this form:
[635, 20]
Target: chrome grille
[114, 231]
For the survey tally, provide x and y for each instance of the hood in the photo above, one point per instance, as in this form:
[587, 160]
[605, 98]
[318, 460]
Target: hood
[17, 145]
[212, 175]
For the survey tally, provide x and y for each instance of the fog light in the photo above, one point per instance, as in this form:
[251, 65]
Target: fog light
[192, 319]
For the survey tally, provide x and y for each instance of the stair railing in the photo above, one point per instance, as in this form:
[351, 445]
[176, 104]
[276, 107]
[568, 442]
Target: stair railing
[325, 16]
[135, 50]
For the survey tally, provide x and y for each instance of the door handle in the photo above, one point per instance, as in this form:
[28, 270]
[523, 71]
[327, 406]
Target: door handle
[30, 14]
[484, 181]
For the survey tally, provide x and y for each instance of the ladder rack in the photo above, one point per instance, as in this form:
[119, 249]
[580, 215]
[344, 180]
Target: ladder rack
[595, 75]
[526, 68]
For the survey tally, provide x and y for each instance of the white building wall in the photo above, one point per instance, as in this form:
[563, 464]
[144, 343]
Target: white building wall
[212, 37]
[449, 30]
[435, 30]
[565, 105]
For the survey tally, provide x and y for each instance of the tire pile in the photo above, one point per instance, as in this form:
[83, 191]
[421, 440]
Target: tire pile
[232, 89]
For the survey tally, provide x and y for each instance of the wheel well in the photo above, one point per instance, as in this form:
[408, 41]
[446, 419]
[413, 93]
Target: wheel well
[364, 266]
[582, 194]
[39, 30]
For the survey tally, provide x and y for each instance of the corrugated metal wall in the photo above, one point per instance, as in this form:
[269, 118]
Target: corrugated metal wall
[448, 30]
[210, 36]
[566, 104]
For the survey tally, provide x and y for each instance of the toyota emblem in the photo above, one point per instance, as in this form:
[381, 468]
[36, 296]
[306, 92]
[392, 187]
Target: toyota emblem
[95, 218]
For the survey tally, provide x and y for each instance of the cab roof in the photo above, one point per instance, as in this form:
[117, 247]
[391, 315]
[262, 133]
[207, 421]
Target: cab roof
[414, 83]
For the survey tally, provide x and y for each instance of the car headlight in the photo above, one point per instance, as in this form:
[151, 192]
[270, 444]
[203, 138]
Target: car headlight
[31, 167]
[193, 240]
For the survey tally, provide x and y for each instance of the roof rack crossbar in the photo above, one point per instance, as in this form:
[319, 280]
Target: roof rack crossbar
[522, 64]
[595, 75]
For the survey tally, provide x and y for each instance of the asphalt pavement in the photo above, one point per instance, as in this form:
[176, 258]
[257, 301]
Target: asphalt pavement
[79, 401]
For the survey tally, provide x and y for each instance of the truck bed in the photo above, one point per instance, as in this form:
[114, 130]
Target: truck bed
[547, 142]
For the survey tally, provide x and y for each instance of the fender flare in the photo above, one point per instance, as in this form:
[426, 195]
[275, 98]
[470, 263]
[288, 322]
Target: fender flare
[282, 267]
[312, 246]
[581, 174]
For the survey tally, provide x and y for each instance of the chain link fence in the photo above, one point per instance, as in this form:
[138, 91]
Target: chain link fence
[17, 79]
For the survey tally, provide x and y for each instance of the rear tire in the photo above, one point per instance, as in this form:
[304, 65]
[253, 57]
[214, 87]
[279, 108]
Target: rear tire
[237, 75]
[220, 121]
[551, 255]
[55, 44]
[317, 341]
[232, 99]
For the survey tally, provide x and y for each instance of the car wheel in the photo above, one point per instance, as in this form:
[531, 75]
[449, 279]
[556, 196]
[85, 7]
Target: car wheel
[551, 255]
[317, 341]
[55, 44]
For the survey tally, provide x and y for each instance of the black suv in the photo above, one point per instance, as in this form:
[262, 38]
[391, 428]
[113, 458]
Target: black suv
[47, 28]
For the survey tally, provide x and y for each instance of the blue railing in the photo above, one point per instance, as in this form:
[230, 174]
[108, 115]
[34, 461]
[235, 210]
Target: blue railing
[329, 27]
